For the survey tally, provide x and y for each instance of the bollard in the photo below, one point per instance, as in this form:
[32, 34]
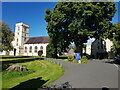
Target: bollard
[61, 65]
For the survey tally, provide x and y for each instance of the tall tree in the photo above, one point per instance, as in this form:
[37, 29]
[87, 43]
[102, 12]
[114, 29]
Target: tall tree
[116, 38]
[6, 37]
[58, 32]
[80, 21]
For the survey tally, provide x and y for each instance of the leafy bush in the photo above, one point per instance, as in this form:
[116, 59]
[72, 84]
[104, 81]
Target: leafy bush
[84, 59]
[75, 61]
[70, 58]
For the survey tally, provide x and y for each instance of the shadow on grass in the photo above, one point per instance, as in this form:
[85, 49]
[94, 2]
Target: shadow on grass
[18, 60]
[62, 57]
[32, 84]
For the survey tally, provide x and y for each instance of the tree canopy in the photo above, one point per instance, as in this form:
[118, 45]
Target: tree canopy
[6, 37]
[77, 22]
[117, 31]
[116, 38]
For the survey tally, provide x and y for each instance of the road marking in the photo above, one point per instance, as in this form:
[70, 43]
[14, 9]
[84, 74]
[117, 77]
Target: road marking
[116, 66]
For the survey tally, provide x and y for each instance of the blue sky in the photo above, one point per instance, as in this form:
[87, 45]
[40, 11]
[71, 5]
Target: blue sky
[31, 13]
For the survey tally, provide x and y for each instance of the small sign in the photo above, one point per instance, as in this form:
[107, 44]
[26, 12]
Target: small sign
[77, 56]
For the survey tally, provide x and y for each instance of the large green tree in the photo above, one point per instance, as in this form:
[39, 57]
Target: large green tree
[116, 38]
[6, 37]
[77, 22]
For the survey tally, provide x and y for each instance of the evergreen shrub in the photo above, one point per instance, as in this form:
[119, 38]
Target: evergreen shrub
[70, 58]
[84, 59]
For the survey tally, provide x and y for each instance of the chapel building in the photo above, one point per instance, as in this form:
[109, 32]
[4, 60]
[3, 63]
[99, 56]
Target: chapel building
[25, 45]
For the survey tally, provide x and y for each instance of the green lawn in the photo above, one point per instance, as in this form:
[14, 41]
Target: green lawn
[40, 73]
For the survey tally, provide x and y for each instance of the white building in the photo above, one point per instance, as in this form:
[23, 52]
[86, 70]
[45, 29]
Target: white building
[25, 45]
[88, 49]
[21, 36]
[35, 44]
[102, 48]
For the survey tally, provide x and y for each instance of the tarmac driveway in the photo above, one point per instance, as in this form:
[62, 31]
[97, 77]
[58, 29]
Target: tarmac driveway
[95, 74]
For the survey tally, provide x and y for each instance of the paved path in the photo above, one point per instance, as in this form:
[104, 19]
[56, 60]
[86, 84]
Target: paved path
[95, 74]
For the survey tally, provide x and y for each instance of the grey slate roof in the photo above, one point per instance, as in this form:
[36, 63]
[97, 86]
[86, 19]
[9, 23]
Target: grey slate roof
[37, 40]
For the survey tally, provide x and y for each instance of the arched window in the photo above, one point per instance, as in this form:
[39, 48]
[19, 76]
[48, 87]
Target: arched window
[30, 50]
[35, 49]
[25, 49]
[17, 40]
[41, 48]
[17, 44]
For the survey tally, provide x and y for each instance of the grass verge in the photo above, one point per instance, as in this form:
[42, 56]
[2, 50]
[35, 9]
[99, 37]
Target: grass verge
[40, 73]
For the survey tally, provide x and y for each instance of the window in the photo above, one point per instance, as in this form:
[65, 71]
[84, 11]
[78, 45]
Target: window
[98, 42]
[30, 49]
[18, 28]
[35, 49]
[24, 39]
[25, 49]
[98, 47]
[17, 40]
[102, 46]
[41, 48]
[24, 29]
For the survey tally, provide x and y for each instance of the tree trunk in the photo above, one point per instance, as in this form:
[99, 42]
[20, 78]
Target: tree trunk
[55, 50]
[79, 48]
[55, 53]
[7, 53]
